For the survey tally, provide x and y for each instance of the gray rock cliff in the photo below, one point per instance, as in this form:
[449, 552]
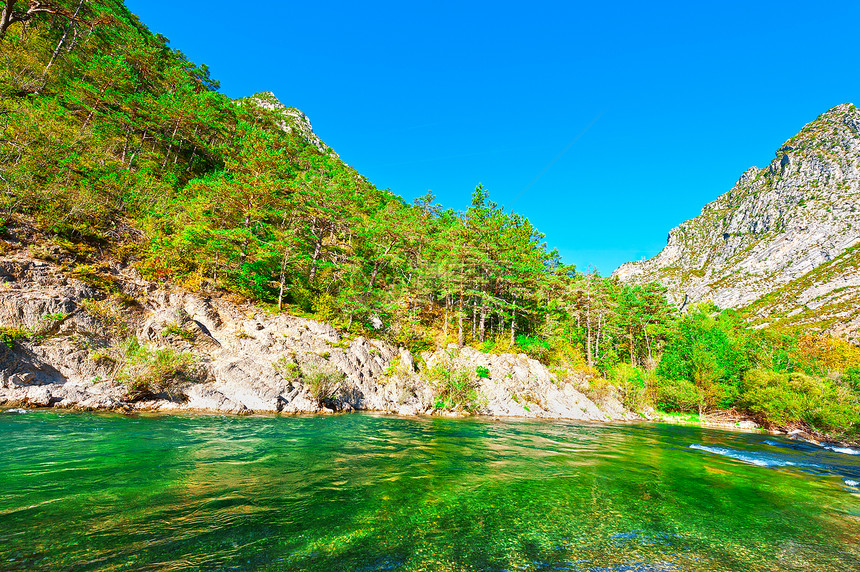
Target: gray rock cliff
[764, 244]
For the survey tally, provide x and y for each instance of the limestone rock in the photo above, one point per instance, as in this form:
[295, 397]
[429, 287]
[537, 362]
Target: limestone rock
[237, 358]
[292, 120]
[789, 230]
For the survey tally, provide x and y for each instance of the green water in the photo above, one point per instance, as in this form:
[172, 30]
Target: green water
[363, 492]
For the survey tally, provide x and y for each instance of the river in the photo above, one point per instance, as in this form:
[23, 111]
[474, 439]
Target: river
[87, 491]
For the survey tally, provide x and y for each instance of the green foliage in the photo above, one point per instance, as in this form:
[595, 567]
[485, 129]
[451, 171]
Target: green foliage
[10, 335]
[533, 347]
[630, 383]
[793, 397]
[711, 349]
[58, 317]
[482, 372]
[174, 329]
[323, 382]
[677, 395]
[288, 368]
[780, 397]
[146, 371]
[851, 377]
[122, 148]
[455, 389]
[111, 312]
[394, 366]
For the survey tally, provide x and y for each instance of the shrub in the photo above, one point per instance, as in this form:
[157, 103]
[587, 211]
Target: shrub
[851, 378]
[796, 397]
[678, 395]
[779, 397]
[9, 336]
[323, 382]
[455, 389]
[147, 371]
[631, 385]
[176, 330]
[111, 312]
[599, 389]
[533, 347]
[287, 368]
[482, 372]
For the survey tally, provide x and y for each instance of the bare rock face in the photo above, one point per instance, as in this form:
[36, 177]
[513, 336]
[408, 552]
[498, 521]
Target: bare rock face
[516, 385]
[773, 230]
[292, 119]
[74, 347]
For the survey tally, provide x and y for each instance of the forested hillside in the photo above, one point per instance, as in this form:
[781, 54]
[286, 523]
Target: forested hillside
[116, 147]
[114, 141]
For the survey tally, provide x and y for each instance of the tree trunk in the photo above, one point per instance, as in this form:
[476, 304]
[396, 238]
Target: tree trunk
[445, 326]
[283, 279]
[647, 340]
[460, 341]
[314, 259]
[514, 323]
[62, 39]
[474, 316]
[588, 353]
[483, 315]
[630, 339]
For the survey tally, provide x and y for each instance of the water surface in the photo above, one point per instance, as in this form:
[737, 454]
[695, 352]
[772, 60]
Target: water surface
[363, 492]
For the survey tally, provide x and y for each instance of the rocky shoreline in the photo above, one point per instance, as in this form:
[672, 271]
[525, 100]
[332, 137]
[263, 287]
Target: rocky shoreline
[69, 345]
[66, 345]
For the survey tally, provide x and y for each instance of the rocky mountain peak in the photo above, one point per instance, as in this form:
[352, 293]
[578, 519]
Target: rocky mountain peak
[777, 226]
[293, 120]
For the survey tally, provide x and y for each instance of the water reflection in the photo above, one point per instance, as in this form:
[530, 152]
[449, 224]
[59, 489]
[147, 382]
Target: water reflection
[364, 492]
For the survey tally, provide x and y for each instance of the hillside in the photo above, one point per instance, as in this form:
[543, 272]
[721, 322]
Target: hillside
[780, 242]
[134, 193]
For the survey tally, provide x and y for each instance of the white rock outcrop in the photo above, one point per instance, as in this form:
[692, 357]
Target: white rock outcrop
[777, 227]
[244, 360]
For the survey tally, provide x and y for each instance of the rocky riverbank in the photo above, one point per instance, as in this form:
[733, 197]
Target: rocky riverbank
[143, 347]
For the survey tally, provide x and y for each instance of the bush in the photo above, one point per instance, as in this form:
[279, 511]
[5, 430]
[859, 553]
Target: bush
[174, 329]
[778, 397]
[9, 336]
[323, 382]
[455, 389]
[851, 378]
[712, 350]
[678, 395]
[796, 397]
[534, 347]
[145, 371]
[482, 372]
[631, 385]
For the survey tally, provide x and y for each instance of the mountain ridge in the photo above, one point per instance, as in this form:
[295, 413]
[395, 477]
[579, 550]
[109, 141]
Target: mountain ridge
[775, 226]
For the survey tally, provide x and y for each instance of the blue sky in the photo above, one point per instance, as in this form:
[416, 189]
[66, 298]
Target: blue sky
[606, 125]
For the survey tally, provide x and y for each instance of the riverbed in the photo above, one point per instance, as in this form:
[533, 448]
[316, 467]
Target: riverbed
[102, 491]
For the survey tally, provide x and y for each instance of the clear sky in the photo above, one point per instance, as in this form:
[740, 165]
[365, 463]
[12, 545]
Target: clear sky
[607, 124]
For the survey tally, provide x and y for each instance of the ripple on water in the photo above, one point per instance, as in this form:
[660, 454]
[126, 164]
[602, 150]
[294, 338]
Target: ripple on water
[362, 492]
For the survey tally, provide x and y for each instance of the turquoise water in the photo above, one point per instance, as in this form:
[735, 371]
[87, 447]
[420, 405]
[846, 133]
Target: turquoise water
[363, 492]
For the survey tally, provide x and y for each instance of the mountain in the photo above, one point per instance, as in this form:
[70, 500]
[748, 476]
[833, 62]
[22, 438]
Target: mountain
[290, 120]
[782, 243]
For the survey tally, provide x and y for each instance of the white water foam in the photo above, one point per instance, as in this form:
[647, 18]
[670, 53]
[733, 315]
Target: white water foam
[851, 483]
[844, 450]
[760, 459]
[811, 446]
